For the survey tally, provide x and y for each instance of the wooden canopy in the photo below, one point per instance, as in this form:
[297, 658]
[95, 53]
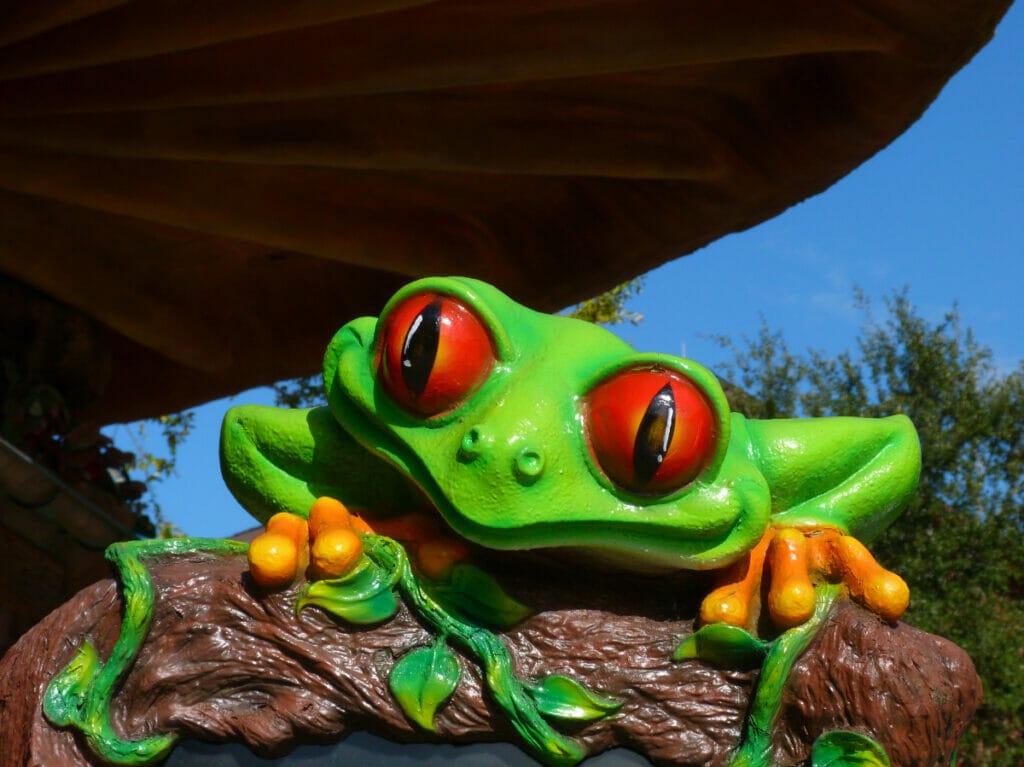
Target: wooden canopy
[219, 185]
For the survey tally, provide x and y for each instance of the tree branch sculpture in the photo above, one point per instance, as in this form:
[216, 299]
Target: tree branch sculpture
[226, 661]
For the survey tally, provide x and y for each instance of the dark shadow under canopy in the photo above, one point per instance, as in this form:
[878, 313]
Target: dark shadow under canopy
[221, 185]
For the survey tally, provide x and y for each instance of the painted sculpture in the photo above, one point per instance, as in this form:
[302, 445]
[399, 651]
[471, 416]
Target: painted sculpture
[462, 417]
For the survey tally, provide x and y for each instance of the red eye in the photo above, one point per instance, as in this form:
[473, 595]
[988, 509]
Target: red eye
[651, 430]
[435, 353]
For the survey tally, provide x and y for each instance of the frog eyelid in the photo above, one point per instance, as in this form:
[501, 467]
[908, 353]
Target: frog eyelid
[465, 294]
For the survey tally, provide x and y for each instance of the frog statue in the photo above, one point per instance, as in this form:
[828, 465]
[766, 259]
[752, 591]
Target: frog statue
[525, 430]
[461, 416]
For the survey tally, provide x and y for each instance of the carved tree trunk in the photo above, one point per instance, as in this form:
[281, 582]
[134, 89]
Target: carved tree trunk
[226, 662]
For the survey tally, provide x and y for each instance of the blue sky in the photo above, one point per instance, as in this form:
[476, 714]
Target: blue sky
[941, 210]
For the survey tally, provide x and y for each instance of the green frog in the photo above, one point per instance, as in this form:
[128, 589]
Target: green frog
[529, 431]
[518, 430]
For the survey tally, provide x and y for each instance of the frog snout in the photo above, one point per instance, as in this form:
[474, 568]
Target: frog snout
[524, 460]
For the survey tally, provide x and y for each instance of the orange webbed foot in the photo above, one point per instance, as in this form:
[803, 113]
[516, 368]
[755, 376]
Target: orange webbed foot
[793, 560]
[334, 542]
[843, 557]
[733, 602]
[327, 545]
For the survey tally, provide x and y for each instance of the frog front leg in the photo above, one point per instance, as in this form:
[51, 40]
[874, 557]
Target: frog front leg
[834, 482]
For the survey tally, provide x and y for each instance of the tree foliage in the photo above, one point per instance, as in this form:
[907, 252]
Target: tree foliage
[960, 545]
[155, 467]
[610, 308]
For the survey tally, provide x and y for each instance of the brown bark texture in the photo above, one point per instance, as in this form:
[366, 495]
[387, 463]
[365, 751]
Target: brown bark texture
[226, 662]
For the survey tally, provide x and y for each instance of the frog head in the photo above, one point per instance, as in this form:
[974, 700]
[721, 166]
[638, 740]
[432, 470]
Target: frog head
[527, 430]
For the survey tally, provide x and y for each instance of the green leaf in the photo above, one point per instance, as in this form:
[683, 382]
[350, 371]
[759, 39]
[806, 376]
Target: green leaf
[362, 596]
[847, 749]
[423, 680]
[473, 594]
[723, 645]
[560, 697]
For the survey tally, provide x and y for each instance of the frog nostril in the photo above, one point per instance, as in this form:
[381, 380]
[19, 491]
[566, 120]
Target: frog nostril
[471, 444]
[529, 465]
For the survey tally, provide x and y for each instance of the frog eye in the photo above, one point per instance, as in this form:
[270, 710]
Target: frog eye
[651, 430]
[435, 352]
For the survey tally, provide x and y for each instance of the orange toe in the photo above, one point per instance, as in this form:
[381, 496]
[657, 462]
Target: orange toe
[273, 559]
[791, 595]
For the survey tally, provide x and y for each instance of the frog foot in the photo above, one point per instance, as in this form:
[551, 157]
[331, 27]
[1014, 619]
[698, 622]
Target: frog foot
[326, 546]
[843, 558]
[277, 555]
[434, 552]
[794, 560]
[734, 601]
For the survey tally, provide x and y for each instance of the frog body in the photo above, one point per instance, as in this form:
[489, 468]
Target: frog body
[530, 431]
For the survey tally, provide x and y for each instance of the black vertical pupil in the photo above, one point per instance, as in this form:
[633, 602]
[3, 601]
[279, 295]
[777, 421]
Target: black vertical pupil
[654, 435]
[420, 347]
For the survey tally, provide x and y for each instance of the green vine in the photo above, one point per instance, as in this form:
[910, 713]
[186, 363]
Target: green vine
[81, 694]
[424, 678]
[732, 647]
[841, 748]
[508, 691]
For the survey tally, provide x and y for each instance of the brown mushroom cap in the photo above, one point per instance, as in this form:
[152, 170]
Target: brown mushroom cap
[221, 185]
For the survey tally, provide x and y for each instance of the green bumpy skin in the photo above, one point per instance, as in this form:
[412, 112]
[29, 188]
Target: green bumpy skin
[509, 464]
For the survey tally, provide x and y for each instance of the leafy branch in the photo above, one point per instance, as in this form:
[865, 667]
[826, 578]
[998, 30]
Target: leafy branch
[423, 679]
